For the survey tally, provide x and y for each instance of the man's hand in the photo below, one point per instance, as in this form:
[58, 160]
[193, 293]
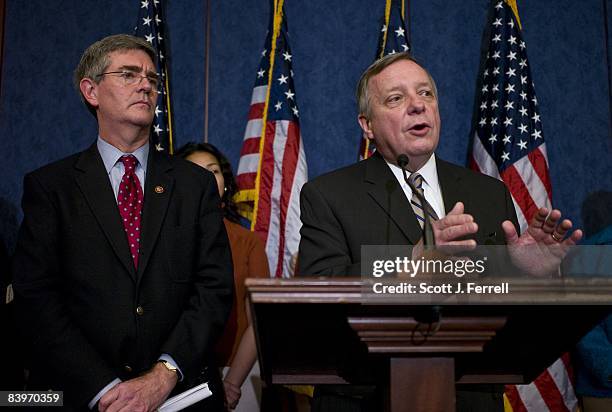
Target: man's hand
[540, 250]
[447, 230]
[453, 226]
[232, 394]
[143, 394]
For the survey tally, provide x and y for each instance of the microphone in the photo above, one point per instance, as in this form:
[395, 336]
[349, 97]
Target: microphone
[429, 241]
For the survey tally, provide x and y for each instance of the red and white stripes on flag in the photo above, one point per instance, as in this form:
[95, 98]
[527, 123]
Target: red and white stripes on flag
[272, 168]
[527, 179]
[552, 391]
[249, 154]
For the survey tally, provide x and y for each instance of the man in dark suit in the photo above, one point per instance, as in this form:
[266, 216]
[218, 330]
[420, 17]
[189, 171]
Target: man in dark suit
[369, 203]
[122, 271]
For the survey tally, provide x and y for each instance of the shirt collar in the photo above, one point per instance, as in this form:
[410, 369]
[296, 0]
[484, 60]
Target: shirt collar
[429, 171]
[110, 154]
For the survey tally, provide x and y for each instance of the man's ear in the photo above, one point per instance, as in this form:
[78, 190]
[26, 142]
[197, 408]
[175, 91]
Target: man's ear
[89, 90]
[365, 126]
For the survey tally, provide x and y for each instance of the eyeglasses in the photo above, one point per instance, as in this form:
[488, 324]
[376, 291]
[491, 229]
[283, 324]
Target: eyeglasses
[131, 78]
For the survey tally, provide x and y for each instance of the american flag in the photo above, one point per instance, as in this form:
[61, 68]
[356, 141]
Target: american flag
[509, 145]
[393, 38]
[552, 391]
[151, 26]
[508, 141]
[272, 167]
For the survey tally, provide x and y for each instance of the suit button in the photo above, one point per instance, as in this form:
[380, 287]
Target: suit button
[139, 310]
[127, 368]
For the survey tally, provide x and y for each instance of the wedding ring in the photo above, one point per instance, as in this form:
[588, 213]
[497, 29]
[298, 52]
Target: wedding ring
[555, 236]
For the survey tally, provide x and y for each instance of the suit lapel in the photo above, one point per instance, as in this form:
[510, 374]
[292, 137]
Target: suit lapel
[95, 186]
[450, 184]
[157, 192]
[384, 188]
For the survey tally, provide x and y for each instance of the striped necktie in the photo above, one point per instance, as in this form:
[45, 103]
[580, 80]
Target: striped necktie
[417, 180]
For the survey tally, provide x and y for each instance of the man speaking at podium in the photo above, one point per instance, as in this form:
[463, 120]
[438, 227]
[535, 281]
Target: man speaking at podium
[122, 270]
[369, 203]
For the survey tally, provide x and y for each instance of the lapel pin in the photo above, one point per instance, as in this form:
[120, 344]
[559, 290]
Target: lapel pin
[159, 189]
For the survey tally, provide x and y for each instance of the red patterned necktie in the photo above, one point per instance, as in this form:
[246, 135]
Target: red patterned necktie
[129, 200]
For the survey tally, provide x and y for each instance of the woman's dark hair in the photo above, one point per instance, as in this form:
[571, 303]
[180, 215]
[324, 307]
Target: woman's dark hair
[230, 210]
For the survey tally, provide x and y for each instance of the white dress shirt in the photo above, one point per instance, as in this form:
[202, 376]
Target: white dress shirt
[431, 185]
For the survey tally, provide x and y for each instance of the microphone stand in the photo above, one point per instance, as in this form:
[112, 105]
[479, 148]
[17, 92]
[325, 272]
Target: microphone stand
[430, 315]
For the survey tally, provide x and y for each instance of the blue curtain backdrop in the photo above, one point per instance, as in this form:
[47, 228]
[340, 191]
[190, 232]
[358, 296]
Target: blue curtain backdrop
[42, 118]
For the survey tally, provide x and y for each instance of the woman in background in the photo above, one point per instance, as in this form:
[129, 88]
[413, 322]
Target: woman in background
[236, 349]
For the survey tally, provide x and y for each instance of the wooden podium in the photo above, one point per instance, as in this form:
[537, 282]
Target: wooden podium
[319, 331]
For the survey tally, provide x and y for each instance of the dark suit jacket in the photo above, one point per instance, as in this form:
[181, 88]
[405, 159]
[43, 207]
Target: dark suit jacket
[363, 204]
[76, 288]
[11, 377]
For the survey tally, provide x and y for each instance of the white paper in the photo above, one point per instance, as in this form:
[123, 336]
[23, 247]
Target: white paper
[187, 398]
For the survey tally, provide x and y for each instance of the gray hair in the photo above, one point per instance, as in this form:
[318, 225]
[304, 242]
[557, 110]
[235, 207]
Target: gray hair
[363, 98]
[95, 59]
